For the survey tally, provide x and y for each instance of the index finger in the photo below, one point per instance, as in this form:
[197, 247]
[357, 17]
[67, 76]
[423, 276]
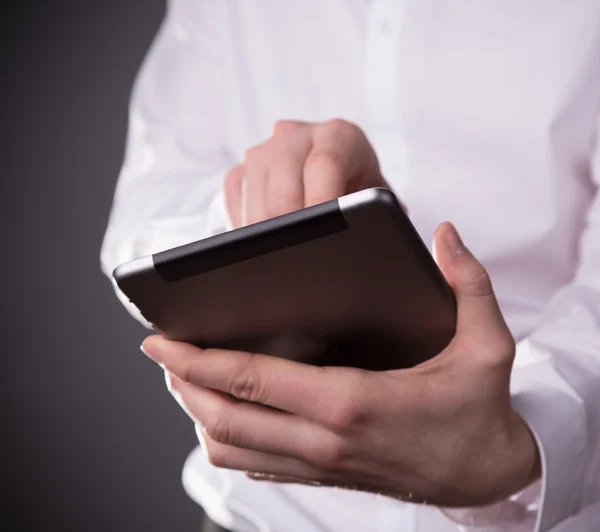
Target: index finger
[341, 161]
[302, 389]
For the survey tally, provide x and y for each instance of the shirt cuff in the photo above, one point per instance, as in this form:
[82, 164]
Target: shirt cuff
[517, 514]
[556, 416]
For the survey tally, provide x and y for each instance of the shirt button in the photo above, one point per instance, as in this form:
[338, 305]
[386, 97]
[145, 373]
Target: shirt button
[385, 27]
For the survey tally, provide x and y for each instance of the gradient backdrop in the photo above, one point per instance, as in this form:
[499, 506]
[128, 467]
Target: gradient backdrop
[91, 438]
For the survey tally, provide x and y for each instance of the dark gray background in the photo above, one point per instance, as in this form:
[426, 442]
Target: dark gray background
[91, 438]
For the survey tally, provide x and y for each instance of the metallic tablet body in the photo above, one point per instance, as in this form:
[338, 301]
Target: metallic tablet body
[348, 282]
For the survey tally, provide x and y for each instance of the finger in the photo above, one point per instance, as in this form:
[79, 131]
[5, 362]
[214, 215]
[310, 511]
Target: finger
[232, 189]
[248, 425]
[229, 457]
[255, 199]
[256, 164]
[332, 396]
[291, 145]
[341, 161]
[479, 320]
[244, 202]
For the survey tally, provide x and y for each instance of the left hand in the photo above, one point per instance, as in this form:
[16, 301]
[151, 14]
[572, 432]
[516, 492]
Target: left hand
[443, 432]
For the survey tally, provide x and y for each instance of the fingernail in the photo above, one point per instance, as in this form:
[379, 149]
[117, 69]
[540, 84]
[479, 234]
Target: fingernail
[453, 241]
[151, 351]
[169, 381]
[434, 251]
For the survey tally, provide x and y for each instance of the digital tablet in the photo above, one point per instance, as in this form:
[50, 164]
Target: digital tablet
[348, 282]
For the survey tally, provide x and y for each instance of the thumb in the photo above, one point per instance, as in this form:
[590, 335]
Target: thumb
[480, 323]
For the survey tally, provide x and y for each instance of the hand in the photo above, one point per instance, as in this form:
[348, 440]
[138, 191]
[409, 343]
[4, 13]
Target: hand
[302, 164]
[443, 432]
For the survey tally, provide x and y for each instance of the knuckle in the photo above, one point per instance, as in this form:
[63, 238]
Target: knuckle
[219, 429]
[285, 128]
[254, 156]
[349, 409]
[480, 283]
[340, 127]
[217, 455]
[330, 457]
[503, 354]
[343, 132]
[344, 414]
[246, 384]
[187, 371]
[325, 161]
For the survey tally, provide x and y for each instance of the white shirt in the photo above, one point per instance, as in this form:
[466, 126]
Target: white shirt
[482, 113]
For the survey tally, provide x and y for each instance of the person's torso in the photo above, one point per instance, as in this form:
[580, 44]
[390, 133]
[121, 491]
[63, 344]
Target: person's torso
[482, 113]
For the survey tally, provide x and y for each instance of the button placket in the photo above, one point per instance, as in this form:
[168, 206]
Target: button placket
[382, 93]
[383, 87]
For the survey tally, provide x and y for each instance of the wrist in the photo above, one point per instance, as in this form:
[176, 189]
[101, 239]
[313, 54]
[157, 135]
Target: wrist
[522, 461]
[511, 463]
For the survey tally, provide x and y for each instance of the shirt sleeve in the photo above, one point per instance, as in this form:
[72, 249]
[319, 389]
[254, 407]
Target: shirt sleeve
[169, 189]
[555, 387]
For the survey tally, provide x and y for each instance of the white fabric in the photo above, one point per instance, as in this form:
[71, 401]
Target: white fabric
[483, 113]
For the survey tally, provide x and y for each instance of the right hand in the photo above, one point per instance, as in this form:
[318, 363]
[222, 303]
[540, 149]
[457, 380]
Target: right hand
[300, 165]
